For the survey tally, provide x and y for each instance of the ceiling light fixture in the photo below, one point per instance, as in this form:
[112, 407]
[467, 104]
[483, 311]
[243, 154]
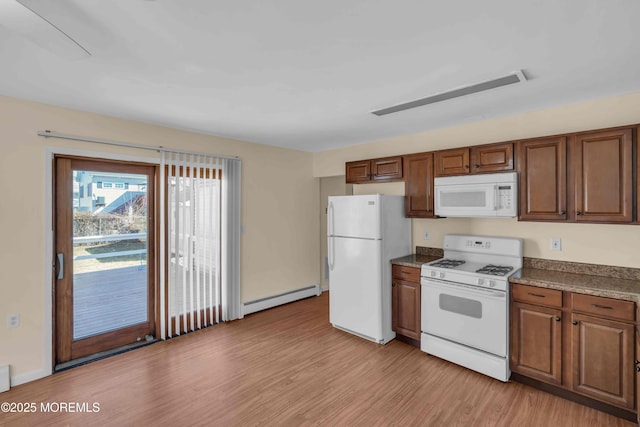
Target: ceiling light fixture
[514, 77]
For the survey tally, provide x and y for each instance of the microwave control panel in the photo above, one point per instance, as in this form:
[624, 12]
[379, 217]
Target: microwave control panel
[505, 200]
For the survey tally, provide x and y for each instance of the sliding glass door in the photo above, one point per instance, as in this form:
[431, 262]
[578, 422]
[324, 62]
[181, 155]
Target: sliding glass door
[105, 276]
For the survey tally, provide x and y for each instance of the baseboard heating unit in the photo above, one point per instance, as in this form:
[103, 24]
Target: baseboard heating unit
[4, 378]
[276, 300]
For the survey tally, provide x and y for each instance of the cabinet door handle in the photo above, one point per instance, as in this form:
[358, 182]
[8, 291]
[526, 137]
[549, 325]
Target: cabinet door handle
[574, 323]
[602, 306]
[466, 166]
[578, 213]
[476, 166]
[637, 368]
[536, 295]
[562, 212]
[557, 319]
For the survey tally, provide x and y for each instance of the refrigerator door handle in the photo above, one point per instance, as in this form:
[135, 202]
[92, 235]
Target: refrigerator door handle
[332, 253]
[331, 219]
[331, 248]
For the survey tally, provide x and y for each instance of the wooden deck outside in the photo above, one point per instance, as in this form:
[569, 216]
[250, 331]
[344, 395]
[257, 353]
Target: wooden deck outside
[108, 300]
[112, 299]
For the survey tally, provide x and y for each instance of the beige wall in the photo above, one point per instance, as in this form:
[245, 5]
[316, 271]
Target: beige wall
[280, 203]
[608, 112]
[600, 244]
[591, 243]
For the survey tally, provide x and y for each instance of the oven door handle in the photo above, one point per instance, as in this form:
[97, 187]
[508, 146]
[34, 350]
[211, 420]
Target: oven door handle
[468, 288]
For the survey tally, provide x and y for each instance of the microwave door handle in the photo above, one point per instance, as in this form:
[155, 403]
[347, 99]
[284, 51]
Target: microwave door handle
[495, 197]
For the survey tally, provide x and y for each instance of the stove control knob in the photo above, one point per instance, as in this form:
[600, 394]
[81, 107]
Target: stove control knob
[442, 275]
[433, 273]
[480, 282]
[492, 284]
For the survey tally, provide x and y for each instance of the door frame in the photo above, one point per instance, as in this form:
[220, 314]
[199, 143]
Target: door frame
[48, 336]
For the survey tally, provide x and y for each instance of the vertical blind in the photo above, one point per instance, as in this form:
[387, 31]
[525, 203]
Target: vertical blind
[200, 242]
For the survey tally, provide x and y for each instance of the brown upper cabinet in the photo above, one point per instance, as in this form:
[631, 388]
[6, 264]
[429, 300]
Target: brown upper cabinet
[586, 177]
[581, 177]
[359, 171]
[542, 164]
[603, 168]
[418, 185]
[477, 159]
[374, 170]
[452, 162]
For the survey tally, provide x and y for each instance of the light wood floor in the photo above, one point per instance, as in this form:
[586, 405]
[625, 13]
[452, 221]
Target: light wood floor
[286, 367]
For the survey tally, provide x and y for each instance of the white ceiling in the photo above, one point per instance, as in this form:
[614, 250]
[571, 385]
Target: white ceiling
[307, 74]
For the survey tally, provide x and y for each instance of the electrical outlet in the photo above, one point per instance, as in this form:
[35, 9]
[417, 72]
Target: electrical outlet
[13, 321]
[556, 244]
[426, 235]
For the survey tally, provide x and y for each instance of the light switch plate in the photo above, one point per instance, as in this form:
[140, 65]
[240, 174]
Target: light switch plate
[13, 321]
[556, 244]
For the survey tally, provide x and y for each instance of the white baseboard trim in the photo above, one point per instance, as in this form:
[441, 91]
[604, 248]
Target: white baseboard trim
[276, 300]
[29, 376]
[324, 288]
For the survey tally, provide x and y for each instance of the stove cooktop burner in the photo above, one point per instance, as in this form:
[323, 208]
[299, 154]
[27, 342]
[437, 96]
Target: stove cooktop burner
[447, 263]
[495, 270]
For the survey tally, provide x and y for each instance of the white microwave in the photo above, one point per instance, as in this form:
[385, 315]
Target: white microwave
[483, 195]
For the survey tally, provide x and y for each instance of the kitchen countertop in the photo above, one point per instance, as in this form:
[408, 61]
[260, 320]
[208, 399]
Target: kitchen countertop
[603, 286]
[592, 279]
[414, 260]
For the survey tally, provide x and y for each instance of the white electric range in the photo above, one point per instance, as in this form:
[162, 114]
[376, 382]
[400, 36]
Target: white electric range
[465, 302]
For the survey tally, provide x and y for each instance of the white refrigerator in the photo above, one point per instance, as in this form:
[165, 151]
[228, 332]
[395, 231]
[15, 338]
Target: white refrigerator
[365, 233]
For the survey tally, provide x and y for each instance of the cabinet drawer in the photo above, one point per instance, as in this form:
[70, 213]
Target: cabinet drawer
[536, 295]
[410, 274]
[604, 307]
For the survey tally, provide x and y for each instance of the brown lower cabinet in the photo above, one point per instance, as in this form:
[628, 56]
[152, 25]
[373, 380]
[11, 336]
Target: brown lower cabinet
[405, 302]
[581, 343]
[536, 349]
[602, 359]
[637, 366]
